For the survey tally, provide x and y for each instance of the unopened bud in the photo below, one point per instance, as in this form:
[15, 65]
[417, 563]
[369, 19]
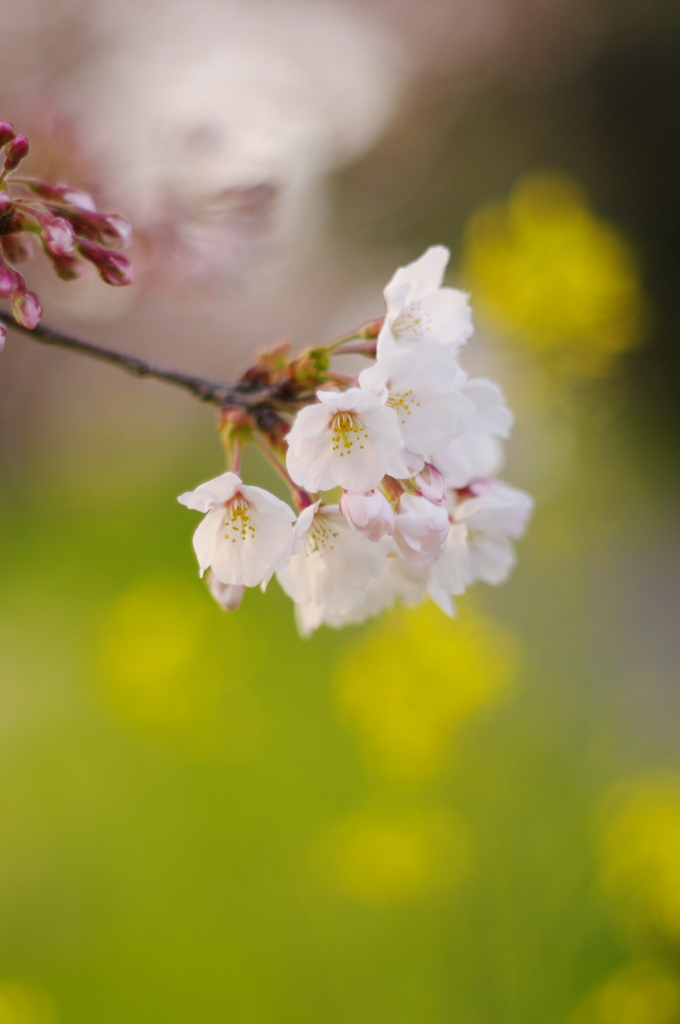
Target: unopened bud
[58, 235]
[369, 512]
[421, 530]
[236, 430]
[227, 595]
[78, 198]
[6, 133]
[117, 270]
[3, 337]
[67, 267]
[5, 204]
[371, 329]
[27, 309]
[17, 248]
[113, 268]
[431, 484]
[74, 197]
[116, 231]
[15, 152]
[7, 281]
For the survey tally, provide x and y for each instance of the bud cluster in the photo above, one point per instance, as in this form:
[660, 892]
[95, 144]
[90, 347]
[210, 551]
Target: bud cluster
[63, 220]
[391, 473]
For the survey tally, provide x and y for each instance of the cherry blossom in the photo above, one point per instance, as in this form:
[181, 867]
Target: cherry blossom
[471, 457]
[401, 581]
[419, 309]
[349, 440]
[425, 387]
[247, 532]
[329, 568]
[493, 515]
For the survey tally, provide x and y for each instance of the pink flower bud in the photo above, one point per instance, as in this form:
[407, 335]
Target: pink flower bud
[431, 484]
[77, 198]
[58, 235]
[18, 249]
[369, 512]
[117, 270]
[74, 197]
[67, 267]
[6, 133]
[5, 204]
[8, 281]
[421, 529]
[116, 231]
[113, 268]
[15, 152]
[3, 337]
[27, 309]
[227, 595]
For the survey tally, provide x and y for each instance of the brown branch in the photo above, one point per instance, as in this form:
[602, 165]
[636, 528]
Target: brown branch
[205, 390]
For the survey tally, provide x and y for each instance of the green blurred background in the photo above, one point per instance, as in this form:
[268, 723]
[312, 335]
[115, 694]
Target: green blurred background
[204, 819]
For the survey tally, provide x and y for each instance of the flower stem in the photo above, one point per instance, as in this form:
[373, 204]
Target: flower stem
[361, 348]
[300, 497]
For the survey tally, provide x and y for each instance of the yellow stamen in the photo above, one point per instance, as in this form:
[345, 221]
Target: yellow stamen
[346, 428]
[237, 520]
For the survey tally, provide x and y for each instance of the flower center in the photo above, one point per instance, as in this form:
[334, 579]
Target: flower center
[346, 430]
[413, 322]
[237, 520]
[321, 535]
[401, 402]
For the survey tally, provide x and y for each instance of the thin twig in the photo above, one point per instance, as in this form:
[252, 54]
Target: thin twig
[205, 390]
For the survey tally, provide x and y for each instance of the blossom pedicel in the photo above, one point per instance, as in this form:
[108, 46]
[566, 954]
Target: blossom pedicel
[412, 446]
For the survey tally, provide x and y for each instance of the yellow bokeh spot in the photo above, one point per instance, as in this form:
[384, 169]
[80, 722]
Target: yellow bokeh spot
[550, 275]
[386, 857]
[642, 993]
[159, 659]
[415, 678]
[640, 853]
[24, 1004]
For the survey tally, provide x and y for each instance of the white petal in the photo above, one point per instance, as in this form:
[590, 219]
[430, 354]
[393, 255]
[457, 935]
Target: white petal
[207, 538]
[492, 415]
[421, 529]
[247, 560]
[497, 508]
[267, 504]
[471, 457]
[318, 461]
[492, 558]
[450, 318]
[214, 492]
[451, 573]
[423, 276]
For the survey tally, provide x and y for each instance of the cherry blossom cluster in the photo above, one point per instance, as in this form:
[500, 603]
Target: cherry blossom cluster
[66, 223]
[392, 473]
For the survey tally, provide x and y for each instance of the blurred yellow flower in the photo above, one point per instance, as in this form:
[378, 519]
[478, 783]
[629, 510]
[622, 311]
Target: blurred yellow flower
[24, 1004]
[389, 856]
[415, 678]
[160, 662]
[641, 993]
[550, 275]
[640, 853]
